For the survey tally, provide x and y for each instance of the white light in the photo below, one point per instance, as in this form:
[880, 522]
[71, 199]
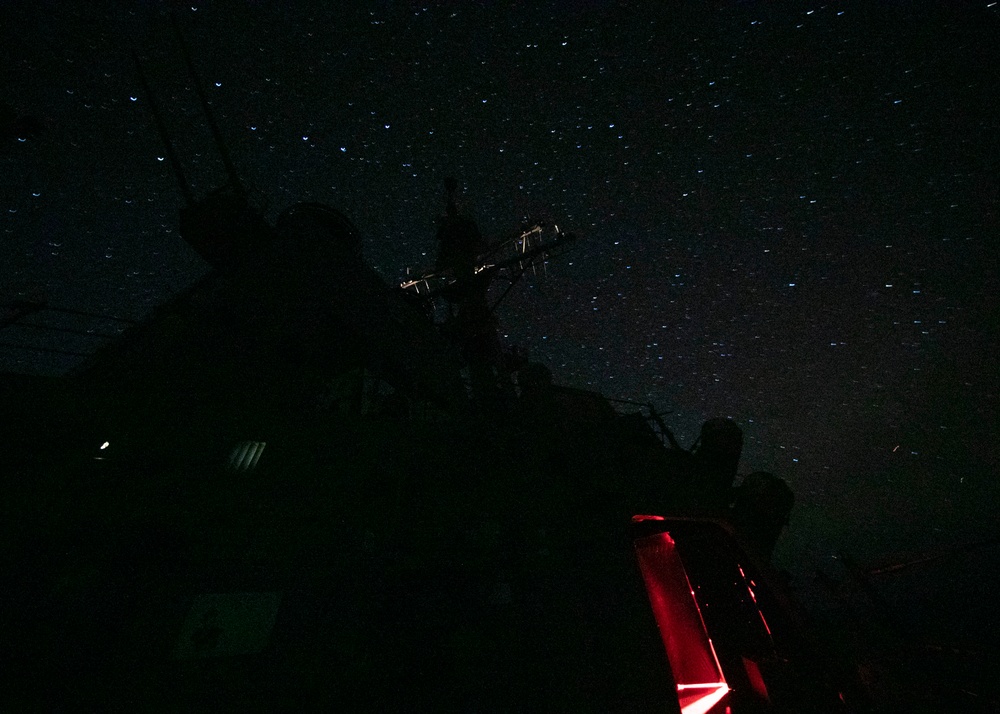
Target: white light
[105, 445]
[245, 455]
[714, 693]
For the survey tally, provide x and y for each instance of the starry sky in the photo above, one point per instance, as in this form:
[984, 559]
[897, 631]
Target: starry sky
[787, 211]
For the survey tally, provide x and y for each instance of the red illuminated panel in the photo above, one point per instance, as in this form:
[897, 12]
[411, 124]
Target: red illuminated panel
[701, 688]
[756, 679]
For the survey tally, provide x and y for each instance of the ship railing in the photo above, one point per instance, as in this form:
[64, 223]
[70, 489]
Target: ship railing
[69, 336]
[655, 420]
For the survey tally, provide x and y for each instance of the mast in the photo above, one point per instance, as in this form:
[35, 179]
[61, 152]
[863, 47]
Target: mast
[227, 162]
[161, 128]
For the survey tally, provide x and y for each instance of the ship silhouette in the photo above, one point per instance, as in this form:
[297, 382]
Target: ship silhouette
[297, 487]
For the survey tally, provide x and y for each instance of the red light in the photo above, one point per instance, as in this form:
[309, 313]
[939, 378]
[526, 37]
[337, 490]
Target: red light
[641, 518]
[753, 596]
[700, 698]
[756, 679]
[696, 669]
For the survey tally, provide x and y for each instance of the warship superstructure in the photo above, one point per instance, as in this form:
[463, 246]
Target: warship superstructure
[300, 488]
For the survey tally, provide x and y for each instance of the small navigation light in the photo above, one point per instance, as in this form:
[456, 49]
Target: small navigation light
[105, 445]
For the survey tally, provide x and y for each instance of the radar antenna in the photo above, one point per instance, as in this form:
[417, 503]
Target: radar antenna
[466, 266]
[508, 259]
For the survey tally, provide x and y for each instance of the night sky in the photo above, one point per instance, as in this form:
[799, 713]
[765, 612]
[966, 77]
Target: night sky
[787, 211]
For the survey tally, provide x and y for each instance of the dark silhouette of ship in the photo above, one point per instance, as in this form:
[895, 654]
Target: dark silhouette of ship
[299, 488]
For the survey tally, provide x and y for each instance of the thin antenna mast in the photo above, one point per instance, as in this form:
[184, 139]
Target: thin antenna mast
[216, 134]
[168, 146]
